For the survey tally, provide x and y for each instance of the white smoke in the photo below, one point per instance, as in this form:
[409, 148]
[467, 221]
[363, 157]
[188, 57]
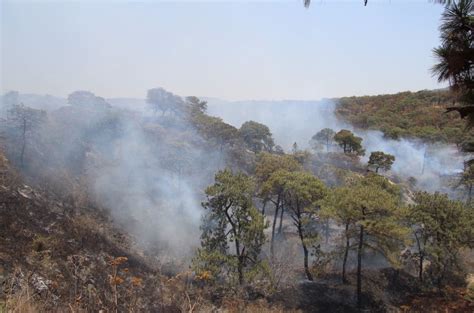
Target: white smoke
[297, 121]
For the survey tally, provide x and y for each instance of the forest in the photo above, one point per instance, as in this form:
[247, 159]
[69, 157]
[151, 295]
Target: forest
[407, 114]
[172, 203]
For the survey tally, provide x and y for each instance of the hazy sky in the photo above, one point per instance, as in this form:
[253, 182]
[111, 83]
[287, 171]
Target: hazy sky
[226, 49]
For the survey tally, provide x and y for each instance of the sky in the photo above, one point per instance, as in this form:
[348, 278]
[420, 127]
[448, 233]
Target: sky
[233, 50]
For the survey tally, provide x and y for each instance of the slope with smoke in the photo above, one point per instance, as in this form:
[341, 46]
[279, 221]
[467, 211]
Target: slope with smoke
[149, 171]
[297, 121]
[155, 187]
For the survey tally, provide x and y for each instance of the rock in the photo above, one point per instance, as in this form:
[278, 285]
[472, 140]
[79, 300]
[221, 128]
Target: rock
[39, 283]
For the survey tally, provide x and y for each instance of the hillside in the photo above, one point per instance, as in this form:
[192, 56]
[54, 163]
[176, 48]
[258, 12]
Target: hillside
[406, 114]
[108, 208]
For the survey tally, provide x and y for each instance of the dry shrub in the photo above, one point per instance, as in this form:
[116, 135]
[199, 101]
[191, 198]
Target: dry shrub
[19, 298]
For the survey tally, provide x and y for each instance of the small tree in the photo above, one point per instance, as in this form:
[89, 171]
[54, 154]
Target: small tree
[82, 98]
[441, 227]
[270, 184]
[215, 130]
[24, 122]
[349, 143]
[303, 194]
[340, 208]
[164, 101]
[256, 136]
[369, 212]
[231, 219]
[380, 160]
[378, 226]
[196, 105]
[324, 137]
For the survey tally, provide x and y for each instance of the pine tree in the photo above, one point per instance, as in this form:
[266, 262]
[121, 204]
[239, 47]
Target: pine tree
[232, 232]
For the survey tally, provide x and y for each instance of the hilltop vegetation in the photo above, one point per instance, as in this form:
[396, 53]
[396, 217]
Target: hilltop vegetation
[407, 114]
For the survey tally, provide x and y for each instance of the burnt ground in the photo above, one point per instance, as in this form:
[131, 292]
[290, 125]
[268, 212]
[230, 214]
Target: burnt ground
[61, 255]
[384, 290]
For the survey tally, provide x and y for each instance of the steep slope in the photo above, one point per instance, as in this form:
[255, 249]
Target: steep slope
[55, 255]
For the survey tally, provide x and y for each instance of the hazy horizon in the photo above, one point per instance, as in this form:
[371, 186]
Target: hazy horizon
[226, 50]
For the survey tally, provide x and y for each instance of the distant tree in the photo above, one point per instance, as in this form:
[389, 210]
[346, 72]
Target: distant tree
[295, 149]
[350, 143]
[164, 101]
[83, 98]
[441, 227]
[256, 136]
[381, 160]
[24, 123]
[196, 105]
[230, 219]
[279, 150]
[11, 98]
[303, 195]
[215, 130]
[8, 100]
[324, 137]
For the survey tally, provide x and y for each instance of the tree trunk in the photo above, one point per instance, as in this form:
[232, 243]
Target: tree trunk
[420, 265]
[346, 253]
[469, 195]
[359, 267]
[263, 207]
[275, 217]
[306, 253]
[326, 231]
[420, 268]
[280, 227]
[240, 262]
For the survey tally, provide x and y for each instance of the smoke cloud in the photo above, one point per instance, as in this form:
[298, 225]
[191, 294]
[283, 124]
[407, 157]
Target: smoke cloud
[148, 170]
[297, 121]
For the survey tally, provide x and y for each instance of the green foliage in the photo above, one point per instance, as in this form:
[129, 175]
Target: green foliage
[231, 220]
[467, 181]
[324, 137]
[83, 98]
[214, 129]
[406, 115]
[196, 105]
[303, 195]
[377, 181]
[441, 228]
[256, 136]
[268, 163]
[455, 53]
[350, 143]
[380, 160]
[24, 124]
[164, 101]
[368, 211]
[371, 204]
